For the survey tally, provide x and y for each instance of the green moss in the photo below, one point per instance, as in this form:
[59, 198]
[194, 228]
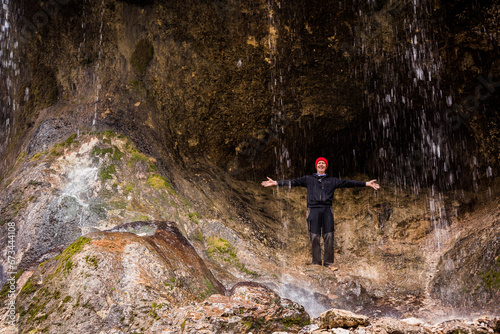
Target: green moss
[194, 217]
[299, 322]
[56, 151]
[18, 206]
[244, 269]
[136, 84]
[255, 324]
[210, 290]
[65, 257]
[6, 287]
[142, 56]
[37, 156]
[128, 189]
[69, 141]
[158, 182]
[34, 309]
[110, 134]
[92, 261]
[67, 299]
[136, 156]
[101, 152]
[68, 266]
[105, 173]
[141, 218]
[78, 301]
[154, 308]
[199, 236]
[169, 286]
[119, 205]
[491, 279]
[458, 331]
[22, 312]
[41, 318]
[90, 59]
[218, 247]
[28, 288]
[114, 152]
[117, 154]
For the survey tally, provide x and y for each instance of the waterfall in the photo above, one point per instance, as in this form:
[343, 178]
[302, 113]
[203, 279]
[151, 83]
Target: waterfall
[80, 182]
[9, 73]
[277, 112]
[405, 99]
[97, 80]
[409, 134]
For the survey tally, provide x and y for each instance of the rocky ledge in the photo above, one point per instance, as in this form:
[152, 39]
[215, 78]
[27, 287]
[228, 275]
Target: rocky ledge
[344, 322]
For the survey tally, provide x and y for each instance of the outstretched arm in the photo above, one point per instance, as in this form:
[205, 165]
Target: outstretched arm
[373, 184]
[269, 182]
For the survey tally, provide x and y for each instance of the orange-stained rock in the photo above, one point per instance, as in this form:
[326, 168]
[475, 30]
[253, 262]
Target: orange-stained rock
[115, 280]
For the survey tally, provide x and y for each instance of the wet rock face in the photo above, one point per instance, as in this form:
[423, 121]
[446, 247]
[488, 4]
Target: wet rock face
[221, 73]
[115, 280]
[474, 78]
[468, 275]
[47, 134]
[63, 189]
[229, 82]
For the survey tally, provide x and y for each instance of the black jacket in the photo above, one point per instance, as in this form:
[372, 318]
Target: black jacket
[320, 189]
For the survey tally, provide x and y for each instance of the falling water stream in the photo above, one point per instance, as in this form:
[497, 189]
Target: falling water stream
[9, 71]
[79, 188]
[281, 158]
[410, 136]
[277, 111]
[98, 65]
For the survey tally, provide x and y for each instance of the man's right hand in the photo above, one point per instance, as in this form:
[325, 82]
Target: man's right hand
[269, 182]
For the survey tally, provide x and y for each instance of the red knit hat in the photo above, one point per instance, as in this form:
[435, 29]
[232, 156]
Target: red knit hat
[320, 159]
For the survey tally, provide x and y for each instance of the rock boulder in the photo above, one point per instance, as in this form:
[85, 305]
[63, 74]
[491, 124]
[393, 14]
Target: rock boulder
[115, 281]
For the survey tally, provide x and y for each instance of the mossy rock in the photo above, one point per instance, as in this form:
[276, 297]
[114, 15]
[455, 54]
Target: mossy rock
[158, 182]
[222, 249]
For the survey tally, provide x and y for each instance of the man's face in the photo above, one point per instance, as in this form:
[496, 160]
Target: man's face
[321, 167]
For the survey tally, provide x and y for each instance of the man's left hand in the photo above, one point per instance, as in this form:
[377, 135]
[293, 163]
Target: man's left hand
[373, 184]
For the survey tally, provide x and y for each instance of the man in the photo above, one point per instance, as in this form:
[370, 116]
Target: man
[320, 191]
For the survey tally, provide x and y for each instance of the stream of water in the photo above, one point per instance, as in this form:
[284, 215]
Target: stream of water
[98, 65]
[9, 72]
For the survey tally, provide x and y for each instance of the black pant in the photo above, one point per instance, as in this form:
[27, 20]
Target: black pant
[320, 220]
